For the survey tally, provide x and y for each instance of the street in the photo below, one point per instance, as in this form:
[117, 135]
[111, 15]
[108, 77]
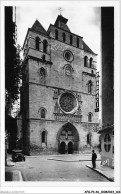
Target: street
[57, 168]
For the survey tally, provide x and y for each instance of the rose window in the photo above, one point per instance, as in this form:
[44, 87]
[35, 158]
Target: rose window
[68, 55]
[68, 102]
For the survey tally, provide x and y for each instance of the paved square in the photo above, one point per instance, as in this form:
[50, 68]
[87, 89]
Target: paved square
[58, 168]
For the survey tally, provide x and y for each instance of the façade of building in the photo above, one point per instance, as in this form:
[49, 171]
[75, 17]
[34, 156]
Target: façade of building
[107, 132]
[58, 96]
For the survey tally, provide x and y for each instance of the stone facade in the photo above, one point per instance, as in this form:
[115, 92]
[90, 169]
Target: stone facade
[58, 96]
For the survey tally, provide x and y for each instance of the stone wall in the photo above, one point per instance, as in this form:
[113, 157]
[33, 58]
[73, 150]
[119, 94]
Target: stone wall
[43, 92]
[52, 128]
[67, 41]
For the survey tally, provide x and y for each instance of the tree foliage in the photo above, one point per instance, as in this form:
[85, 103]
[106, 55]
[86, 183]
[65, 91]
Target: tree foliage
[12, 60]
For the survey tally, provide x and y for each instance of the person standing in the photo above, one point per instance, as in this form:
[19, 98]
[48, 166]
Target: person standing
[94, 157]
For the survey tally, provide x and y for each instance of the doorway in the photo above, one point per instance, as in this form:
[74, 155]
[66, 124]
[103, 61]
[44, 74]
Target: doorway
[62, 147]
[68, 139]
[70, 148]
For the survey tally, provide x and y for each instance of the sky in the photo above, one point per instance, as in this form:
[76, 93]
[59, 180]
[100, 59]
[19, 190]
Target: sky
[83, 20]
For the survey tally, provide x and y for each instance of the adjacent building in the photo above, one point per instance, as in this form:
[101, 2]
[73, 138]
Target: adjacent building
[107, 132]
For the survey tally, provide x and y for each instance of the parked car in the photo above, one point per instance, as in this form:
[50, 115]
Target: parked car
[17, 156]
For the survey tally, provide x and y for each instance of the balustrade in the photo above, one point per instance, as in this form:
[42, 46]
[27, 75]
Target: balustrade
[64, 117]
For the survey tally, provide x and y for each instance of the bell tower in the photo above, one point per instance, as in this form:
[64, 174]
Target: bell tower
[58, 91]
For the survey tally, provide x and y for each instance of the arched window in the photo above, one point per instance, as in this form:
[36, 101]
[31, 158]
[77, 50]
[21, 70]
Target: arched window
[44, 137]
[37, 40]
[78, 42]
[85, 61]
[89, 87]
[64, 37]
[71, 39]
[91, 64]
[68, 70]
[89, 138]
[90, 117]
[45, 44]
[107, 142]
[56, 34]
[42, 75]
[42, 113]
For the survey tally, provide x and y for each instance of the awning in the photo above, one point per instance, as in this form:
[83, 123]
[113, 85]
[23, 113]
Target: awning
[107, 129]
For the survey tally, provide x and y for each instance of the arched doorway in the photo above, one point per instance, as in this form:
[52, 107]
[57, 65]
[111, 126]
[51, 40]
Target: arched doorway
[70, 148]
[68, 139]
[62, 147]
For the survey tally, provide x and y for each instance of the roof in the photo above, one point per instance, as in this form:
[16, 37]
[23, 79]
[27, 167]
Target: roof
[37, 27]
[61, 23]
[61, 19]
[87, 49]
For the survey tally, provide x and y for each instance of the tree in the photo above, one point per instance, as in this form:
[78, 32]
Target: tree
[12, 60]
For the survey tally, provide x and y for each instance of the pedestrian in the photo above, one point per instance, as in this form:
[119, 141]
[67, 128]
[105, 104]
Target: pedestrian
[94, 157]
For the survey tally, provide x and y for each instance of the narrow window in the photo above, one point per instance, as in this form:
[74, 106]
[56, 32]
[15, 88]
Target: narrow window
[78, 42]
[85, 61]
[64, 37]
[44, 137]
[71, 39]
[56, 34]
[89, 87]
[43, 113]
[89, 138]
[90, 117]
[45, 44]
[91, 65]
[37, 40]
[42, 75]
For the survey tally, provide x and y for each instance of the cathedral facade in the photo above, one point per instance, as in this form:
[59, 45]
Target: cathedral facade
[59, 92]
